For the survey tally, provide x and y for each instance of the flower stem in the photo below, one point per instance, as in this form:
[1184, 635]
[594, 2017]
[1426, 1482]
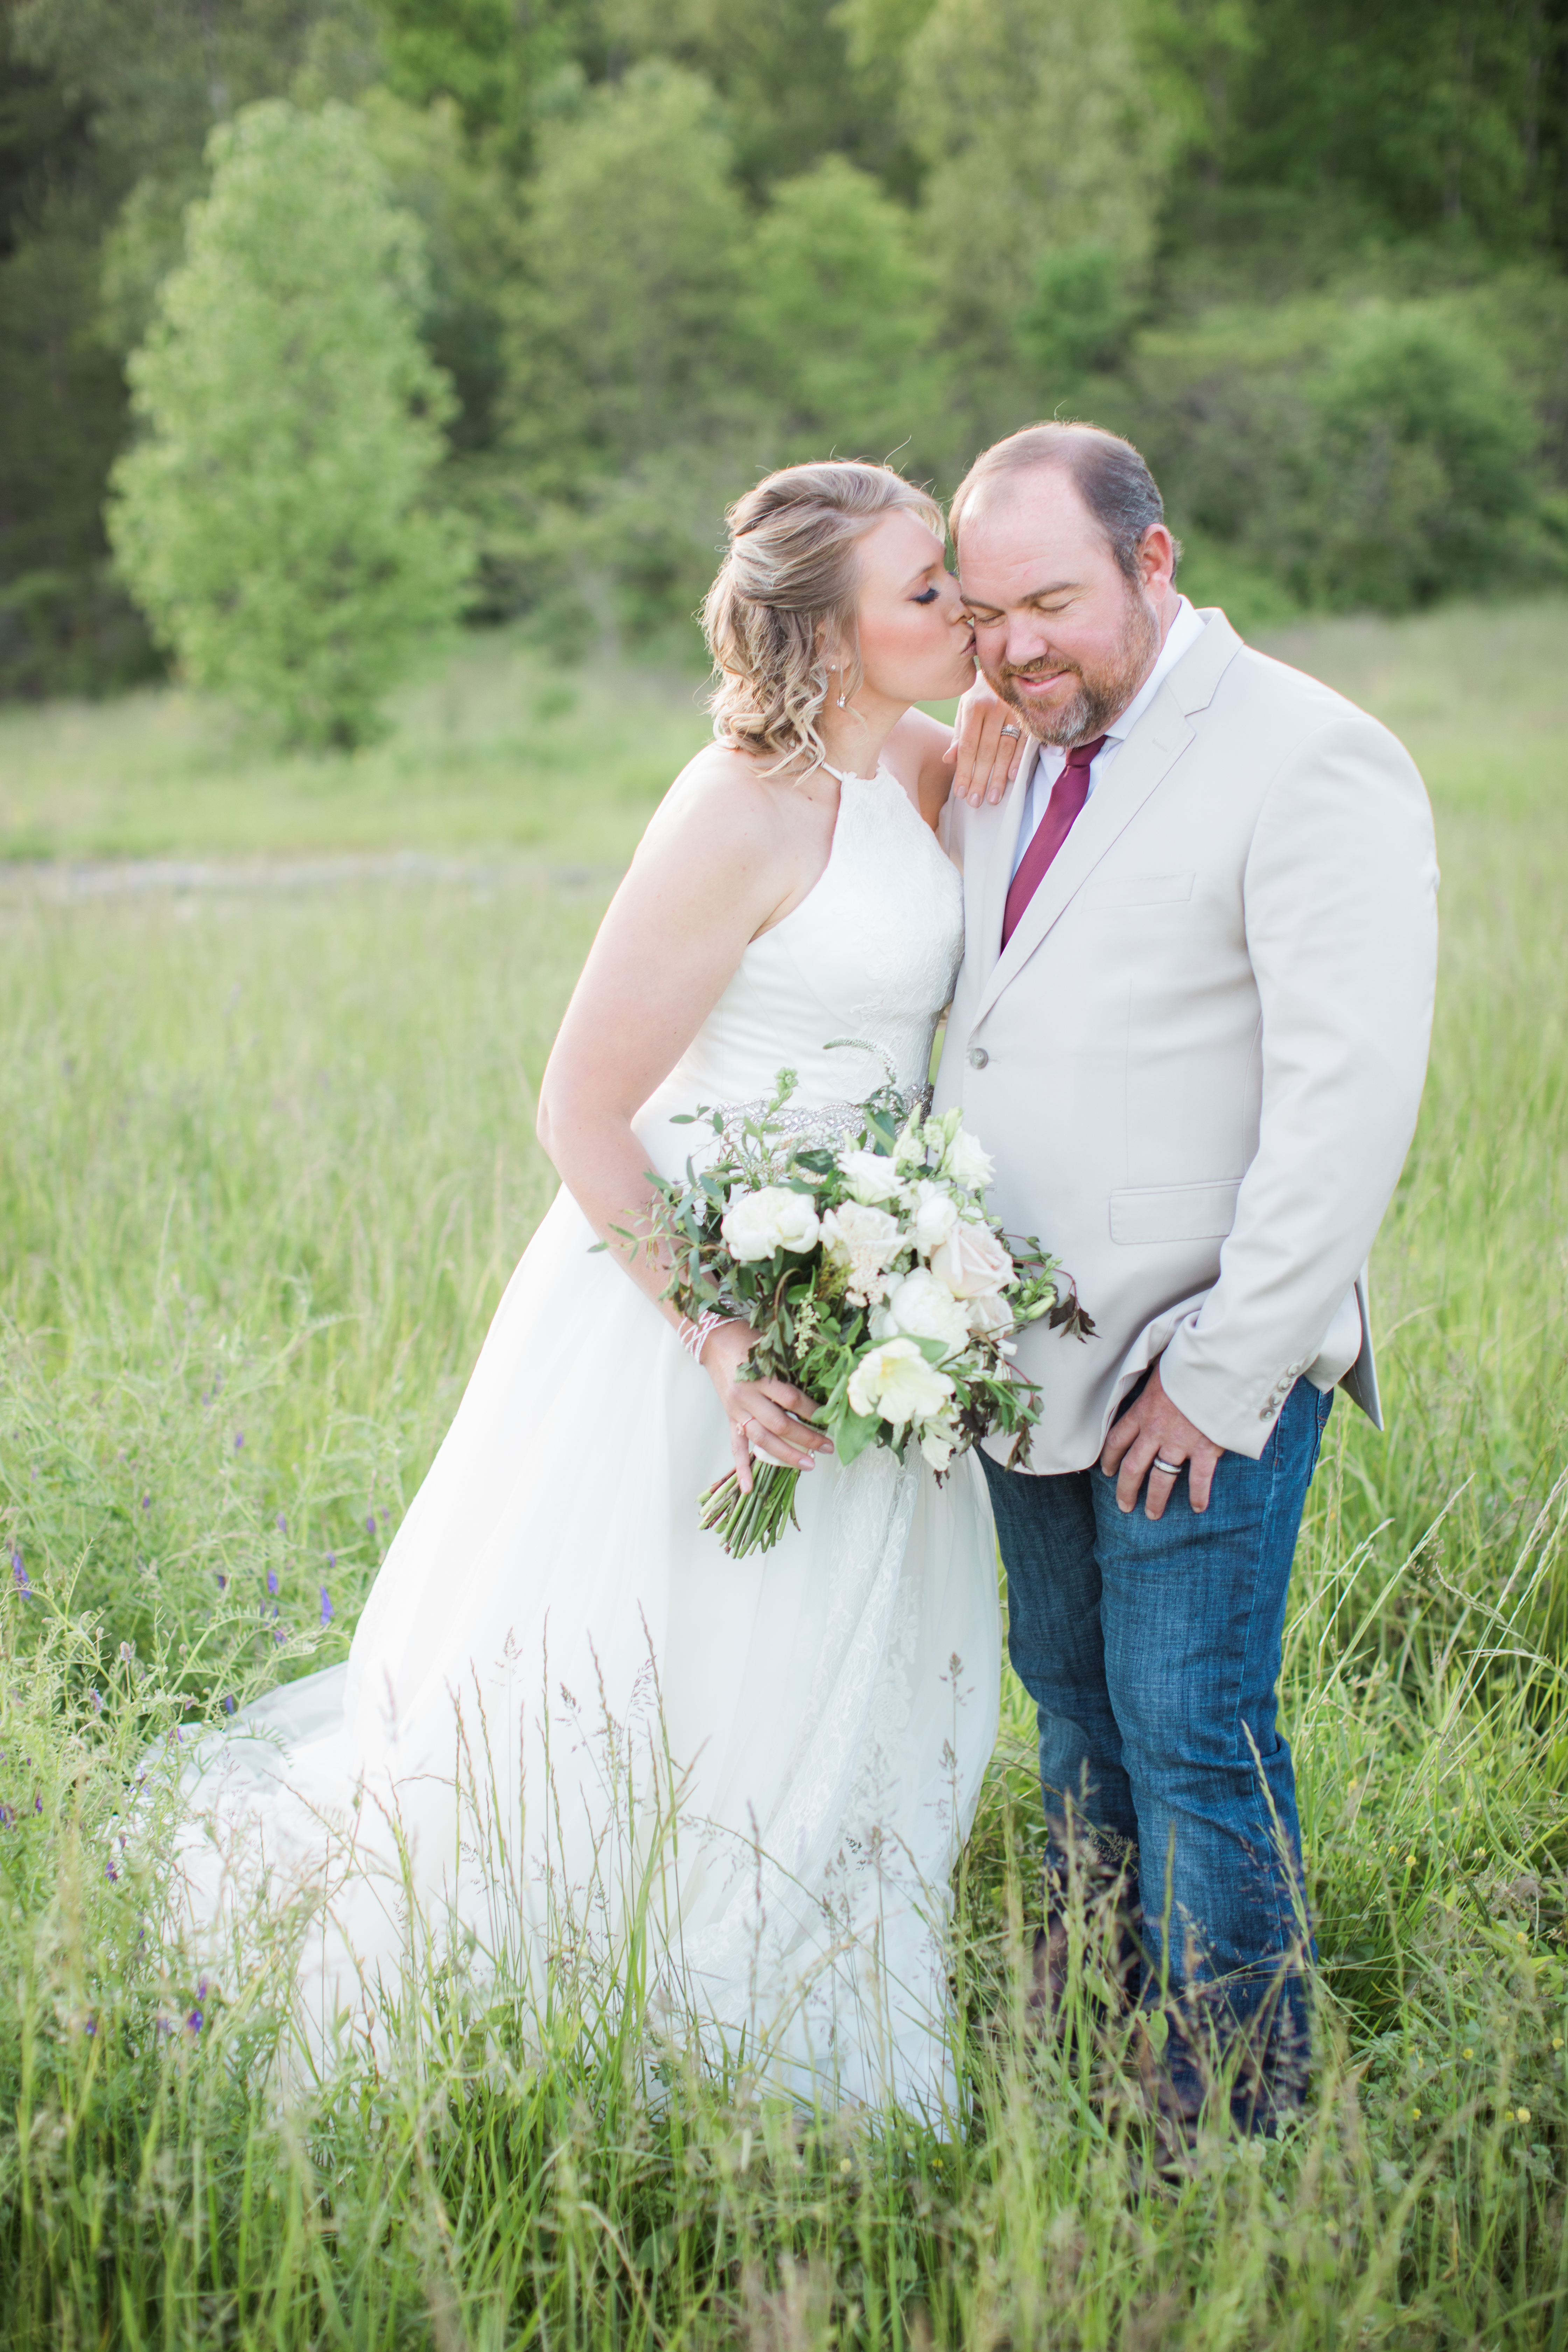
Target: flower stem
[753, 1522]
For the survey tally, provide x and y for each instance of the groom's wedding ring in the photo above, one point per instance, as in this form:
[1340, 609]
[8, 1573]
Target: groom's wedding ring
[1014, 732]
[1170, 1469]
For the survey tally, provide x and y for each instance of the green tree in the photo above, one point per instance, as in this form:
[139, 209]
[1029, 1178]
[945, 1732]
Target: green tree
[1042, 136]
[840, 312]
[273, 521]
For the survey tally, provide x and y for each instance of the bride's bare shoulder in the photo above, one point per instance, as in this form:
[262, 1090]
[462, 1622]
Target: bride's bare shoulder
[722, 799]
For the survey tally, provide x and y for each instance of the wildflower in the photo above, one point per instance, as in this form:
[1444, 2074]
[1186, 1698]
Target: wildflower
[272, 1582]
[326, 1606]
[228, 1703]
[37, 1803]
[1522, 2115]
[282, 1525]
[332, 1560]
[97, 1698]
[194, 2021]
[1557, 2042]
[222, 1581]
[845, 2165]
[1466, 2054]
[126, 1653]
[111, 1873]
[1415, 2115]
[146, 1502]
[369, 1523]
[22, 1584]
[239, 1439]
[7, 1817]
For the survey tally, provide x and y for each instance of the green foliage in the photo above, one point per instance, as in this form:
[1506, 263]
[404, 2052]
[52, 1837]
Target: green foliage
[838, 303]
[271, 523]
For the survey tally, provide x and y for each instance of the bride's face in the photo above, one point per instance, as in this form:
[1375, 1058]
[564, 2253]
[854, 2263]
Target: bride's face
[916, 644]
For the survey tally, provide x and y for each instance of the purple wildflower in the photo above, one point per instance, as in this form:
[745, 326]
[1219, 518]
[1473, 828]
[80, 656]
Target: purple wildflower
[282, 1525]
[227, 1704]
[7, 1817]
[239, 1439]
[91, 2026]
[194, 2021]
[272, 1579]
[369, 1523]
[38, 1804]
[112, 1873]
[222, 1581]
[24, 1585]
[97, 1698]
[332, 1560]
[146, 1502]
[326, 1606]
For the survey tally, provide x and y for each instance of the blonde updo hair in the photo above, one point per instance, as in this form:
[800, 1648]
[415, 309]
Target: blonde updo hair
[786, 592]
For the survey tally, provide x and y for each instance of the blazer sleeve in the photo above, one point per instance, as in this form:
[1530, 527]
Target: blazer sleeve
[1340, 905]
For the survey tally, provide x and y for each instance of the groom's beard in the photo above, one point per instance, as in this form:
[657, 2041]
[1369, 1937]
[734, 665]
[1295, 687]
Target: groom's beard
[1103, 693]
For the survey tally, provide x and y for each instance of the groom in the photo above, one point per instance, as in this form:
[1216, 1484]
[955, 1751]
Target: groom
[1192, 1026]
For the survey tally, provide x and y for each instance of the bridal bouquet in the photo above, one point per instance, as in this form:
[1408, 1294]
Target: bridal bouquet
[860, 1254]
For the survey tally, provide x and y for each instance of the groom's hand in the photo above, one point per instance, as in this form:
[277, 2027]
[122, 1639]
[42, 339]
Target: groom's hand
[984, 759]
[1152, 1431]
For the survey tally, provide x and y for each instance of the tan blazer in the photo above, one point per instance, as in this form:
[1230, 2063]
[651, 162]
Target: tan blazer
[1199, 1062]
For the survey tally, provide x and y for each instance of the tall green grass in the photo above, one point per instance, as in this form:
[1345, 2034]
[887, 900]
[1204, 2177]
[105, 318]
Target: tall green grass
[267, 1162]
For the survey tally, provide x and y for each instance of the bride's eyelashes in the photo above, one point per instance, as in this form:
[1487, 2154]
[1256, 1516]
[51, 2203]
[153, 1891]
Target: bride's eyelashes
[927, 596]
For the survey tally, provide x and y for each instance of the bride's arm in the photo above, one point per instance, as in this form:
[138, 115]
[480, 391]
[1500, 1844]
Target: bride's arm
[714, 866]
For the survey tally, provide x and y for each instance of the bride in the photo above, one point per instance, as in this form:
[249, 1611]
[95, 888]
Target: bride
[571, 1729]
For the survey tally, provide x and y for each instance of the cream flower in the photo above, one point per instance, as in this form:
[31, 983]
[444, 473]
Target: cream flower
[757, 1223]
[895, 1382]
[936, 1214]
[971, 1262]
[870, 1176]
[967, 1164]
[988, 1314]
[919, 1307]
[937, 1445]
[865, 1241]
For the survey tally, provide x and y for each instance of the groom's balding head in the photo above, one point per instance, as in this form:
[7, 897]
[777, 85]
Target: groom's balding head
[1111, 478]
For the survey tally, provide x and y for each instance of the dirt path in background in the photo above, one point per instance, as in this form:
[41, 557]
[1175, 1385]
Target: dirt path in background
[68, 881]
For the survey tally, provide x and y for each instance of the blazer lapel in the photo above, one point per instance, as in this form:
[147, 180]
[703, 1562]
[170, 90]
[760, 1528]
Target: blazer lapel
[989, 871]
[1151, 750]
[1155, 744]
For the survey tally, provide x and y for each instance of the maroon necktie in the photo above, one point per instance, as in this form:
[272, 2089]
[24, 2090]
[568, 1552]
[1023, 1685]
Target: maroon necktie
[1069, 795]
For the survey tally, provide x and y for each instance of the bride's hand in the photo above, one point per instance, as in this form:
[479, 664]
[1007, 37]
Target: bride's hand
[766, 1416]
[987, 748]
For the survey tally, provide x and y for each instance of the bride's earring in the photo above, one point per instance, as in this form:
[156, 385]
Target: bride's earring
[831, 667]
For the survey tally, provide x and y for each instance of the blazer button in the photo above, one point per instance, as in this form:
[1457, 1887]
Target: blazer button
[978, 1057]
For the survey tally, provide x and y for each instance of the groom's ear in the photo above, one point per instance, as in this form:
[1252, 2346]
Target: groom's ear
[1158, 555]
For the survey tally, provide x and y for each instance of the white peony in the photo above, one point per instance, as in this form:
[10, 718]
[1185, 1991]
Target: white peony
[895, 1382]
[967, 1164]
[936, 1214]
[922, 1307]
[870, 1176]
[971, 1262]
[865, 1241]
[988, 1313]
[755, 1224]
[937, 1445]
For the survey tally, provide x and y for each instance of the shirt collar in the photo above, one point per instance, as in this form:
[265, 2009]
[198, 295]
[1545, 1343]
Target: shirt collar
[1180, 638]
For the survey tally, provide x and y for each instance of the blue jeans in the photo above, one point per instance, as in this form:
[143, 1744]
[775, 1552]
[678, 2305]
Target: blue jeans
[1151, 1649]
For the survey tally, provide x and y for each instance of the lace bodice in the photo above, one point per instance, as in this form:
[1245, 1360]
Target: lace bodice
[870, 952]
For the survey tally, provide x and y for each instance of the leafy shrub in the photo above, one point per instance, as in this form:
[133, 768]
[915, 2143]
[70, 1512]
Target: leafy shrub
[273, 523]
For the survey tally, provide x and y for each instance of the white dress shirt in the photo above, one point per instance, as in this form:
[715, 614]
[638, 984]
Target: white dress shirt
[1050, 759]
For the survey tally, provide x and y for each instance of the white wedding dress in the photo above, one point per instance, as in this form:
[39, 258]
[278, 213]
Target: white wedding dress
[571, 1726]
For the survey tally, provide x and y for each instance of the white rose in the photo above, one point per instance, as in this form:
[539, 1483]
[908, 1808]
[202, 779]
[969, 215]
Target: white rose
[757, 1223]
[971, 1262]
[936, 1214]
[870, 1176]
[966, 1163]
[895, 1384]
[924, 1308]
[936, 1444]
[988, 1313]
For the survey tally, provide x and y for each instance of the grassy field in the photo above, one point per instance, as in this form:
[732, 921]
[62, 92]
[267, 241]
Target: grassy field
[267, 1160]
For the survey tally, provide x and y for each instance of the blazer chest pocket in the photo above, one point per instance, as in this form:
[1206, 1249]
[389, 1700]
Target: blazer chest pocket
[1140, 890]
[1173, 1213]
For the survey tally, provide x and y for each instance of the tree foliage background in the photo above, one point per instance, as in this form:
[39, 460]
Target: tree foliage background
[1312, 257]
